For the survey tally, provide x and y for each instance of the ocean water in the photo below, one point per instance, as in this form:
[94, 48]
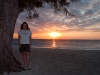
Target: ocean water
[63, 44]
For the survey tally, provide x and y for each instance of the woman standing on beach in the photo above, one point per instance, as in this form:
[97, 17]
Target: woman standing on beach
[24, 42]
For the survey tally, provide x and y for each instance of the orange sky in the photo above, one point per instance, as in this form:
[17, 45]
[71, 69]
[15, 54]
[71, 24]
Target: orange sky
[66, 35]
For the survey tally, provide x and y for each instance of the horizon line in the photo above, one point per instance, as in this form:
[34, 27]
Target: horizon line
[59, 39]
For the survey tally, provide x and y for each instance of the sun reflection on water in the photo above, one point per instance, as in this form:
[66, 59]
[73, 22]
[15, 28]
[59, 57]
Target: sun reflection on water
[53, 43]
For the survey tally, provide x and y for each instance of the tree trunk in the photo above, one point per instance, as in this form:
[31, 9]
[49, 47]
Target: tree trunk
[8, 14]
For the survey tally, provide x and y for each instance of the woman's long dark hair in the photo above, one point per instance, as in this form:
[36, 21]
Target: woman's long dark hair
[21, 27]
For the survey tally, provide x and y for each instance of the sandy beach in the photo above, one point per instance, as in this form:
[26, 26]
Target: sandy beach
[61, 62]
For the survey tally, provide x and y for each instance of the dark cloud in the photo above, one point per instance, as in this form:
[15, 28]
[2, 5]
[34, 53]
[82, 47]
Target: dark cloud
[87, 13]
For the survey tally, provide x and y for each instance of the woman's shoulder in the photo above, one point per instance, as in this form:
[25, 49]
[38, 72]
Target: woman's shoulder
[29, 30]
[20, 30]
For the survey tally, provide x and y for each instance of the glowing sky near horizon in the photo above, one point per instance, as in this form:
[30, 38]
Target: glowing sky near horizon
[85, 25]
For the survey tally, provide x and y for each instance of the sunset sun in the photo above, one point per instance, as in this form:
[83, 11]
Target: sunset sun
[54, 34]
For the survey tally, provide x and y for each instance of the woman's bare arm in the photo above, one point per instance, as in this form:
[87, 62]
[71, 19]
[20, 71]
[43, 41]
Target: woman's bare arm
[19, 40]
[30, 40]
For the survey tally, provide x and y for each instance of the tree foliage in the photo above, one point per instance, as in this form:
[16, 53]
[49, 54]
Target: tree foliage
[32, 5]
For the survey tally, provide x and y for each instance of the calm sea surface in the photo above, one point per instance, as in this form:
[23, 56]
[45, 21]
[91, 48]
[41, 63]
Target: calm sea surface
[64, 44]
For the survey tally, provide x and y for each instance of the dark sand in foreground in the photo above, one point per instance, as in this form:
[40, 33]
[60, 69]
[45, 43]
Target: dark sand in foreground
[61, 62]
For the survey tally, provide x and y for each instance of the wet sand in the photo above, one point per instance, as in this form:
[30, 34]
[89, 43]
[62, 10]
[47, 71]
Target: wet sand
[61, 62]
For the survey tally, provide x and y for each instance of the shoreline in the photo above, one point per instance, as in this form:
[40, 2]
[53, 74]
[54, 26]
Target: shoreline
[16, 47]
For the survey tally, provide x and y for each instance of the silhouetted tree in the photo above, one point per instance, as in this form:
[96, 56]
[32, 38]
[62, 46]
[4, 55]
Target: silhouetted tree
[9, 11]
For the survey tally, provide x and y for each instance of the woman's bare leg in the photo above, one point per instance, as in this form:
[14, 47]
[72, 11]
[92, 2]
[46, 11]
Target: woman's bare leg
[24, 58]
[28, 58]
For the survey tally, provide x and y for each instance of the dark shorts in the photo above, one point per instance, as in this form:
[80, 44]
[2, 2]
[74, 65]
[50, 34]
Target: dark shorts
[24, 47]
